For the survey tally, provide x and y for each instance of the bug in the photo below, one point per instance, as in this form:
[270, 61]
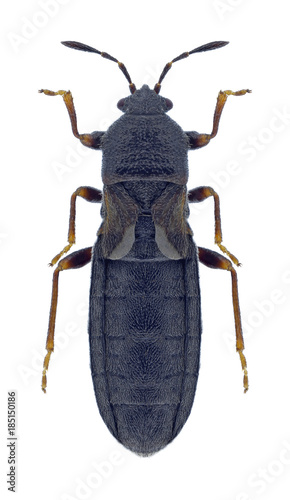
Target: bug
[144, 315]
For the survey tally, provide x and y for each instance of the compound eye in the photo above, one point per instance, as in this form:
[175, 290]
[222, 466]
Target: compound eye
[168, 103]
[120, 104]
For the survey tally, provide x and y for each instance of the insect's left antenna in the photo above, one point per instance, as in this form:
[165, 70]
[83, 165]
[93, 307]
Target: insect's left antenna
[87, 48]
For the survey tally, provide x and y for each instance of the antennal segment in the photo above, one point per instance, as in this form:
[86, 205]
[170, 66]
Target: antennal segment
[202, 48]
[87, 48]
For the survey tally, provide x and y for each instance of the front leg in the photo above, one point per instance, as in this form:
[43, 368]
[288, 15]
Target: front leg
[197, 140]
[92, 140]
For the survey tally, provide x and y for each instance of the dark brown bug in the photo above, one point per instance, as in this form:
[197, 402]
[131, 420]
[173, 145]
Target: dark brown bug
[145, 318]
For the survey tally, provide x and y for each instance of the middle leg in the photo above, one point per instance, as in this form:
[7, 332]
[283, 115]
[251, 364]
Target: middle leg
[202, 193]
[89, 194]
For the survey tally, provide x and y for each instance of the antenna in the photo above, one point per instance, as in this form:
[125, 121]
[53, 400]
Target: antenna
[87, 48]
[202, 48]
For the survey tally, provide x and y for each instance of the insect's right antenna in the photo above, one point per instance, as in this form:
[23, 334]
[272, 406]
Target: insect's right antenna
[202, 48]
[87, 48]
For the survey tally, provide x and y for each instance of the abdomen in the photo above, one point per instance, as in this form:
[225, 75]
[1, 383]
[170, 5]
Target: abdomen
[145, 342]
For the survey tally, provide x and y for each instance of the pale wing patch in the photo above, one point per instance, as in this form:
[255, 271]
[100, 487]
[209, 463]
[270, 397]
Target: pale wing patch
[164, 245]
[125, 244]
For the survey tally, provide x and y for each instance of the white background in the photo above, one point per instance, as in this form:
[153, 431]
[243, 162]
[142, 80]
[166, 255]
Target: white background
[234, 446]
